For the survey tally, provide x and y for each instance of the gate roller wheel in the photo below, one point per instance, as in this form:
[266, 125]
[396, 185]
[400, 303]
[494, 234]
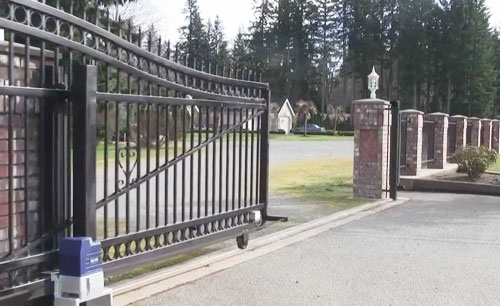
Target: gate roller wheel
[242, 241]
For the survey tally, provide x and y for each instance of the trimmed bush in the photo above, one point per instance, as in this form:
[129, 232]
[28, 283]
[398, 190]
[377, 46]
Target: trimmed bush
[475, 160]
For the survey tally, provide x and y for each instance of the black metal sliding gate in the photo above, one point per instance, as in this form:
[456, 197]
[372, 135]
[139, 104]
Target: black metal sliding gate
[150, 151]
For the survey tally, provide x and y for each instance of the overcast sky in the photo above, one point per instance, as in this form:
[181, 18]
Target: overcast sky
[168, 16]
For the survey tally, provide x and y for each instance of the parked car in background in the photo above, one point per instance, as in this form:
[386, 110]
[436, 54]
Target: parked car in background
[309, 128]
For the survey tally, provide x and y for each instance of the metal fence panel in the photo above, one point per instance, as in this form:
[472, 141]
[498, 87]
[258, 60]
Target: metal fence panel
[427, 143]
[403, 133]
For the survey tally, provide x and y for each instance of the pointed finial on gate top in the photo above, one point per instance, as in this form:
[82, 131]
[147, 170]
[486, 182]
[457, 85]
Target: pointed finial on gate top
[373, 83]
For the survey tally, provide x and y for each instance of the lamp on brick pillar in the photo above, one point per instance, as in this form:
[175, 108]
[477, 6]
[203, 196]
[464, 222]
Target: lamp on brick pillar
[373, 83]
[411, 131]
[486, 133]
[475, 131]
[371, 150]
[461, 124]
[495, 135]
[440, 139]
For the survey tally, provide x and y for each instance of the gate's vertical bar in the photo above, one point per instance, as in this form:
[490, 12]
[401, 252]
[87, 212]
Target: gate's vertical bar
[167, 139]
[240, 155]
[221, 164]
[264, 154]
[10, 136]
[198, 212]
[395, 146]
[214, 159]
[84, 162]
[183, 163]
[227, 157]
[27, 226]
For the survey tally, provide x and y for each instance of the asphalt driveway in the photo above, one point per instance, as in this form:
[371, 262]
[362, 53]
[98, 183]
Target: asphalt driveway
[437, 249]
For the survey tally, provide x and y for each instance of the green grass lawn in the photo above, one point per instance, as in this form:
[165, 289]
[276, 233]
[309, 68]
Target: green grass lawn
[296, 137]
[111, 154]
[326, 181]
[496, 166]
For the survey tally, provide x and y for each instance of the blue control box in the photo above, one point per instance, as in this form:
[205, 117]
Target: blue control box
[79, 256]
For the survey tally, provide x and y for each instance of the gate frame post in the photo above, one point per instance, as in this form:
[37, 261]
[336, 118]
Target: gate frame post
[264, 155]
[84, 99]
[394, 151]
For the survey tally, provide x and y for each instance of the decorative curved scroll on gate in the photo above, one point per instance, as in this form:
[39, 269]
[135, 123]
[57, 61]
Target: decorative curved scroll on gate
[127, 156]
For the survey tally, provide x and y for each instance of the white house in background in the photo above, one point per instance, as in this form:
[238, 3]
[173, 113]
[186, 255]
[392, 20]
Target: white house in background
[285, 117]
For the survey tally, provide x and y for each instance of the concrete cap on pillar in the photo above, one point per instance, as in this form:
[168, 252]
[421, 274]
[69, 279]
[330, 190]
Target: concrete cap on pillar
[485, 120]
[458, 118]
[474, 119]
[371, 101]
[438, 115]
[411, 112]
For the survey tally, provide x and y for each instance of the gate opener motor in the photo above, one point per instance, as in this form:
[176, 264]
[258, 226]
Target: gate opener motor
[81, 278]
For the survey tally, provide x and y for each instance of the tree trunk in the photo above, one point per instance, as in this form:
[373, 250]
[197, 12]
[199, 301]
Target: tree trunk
[305, 126]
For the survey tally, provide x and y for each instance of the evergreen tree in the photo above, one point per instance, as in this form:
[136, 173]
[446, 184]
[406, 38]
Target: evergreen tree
[496, 90]
[217, 44]
[194, 38]
[431, 55]
[324, 22]
[240, 55]
[261, 36]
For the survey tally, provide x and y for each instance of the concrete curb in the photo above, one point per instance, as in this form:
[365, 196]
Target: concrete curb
[450, 186]
[143, 287]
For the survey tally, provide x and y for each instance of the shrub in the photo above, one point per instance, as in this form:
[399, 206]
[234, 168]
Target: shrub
[475, 160]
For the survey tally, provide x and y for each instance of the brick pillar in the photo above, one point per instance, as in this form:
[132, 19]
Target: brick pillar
[486, 133]
[414, 123]
[476, 131]
[371, 140]
[440, 139]
[461, 122]
[495, 135]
